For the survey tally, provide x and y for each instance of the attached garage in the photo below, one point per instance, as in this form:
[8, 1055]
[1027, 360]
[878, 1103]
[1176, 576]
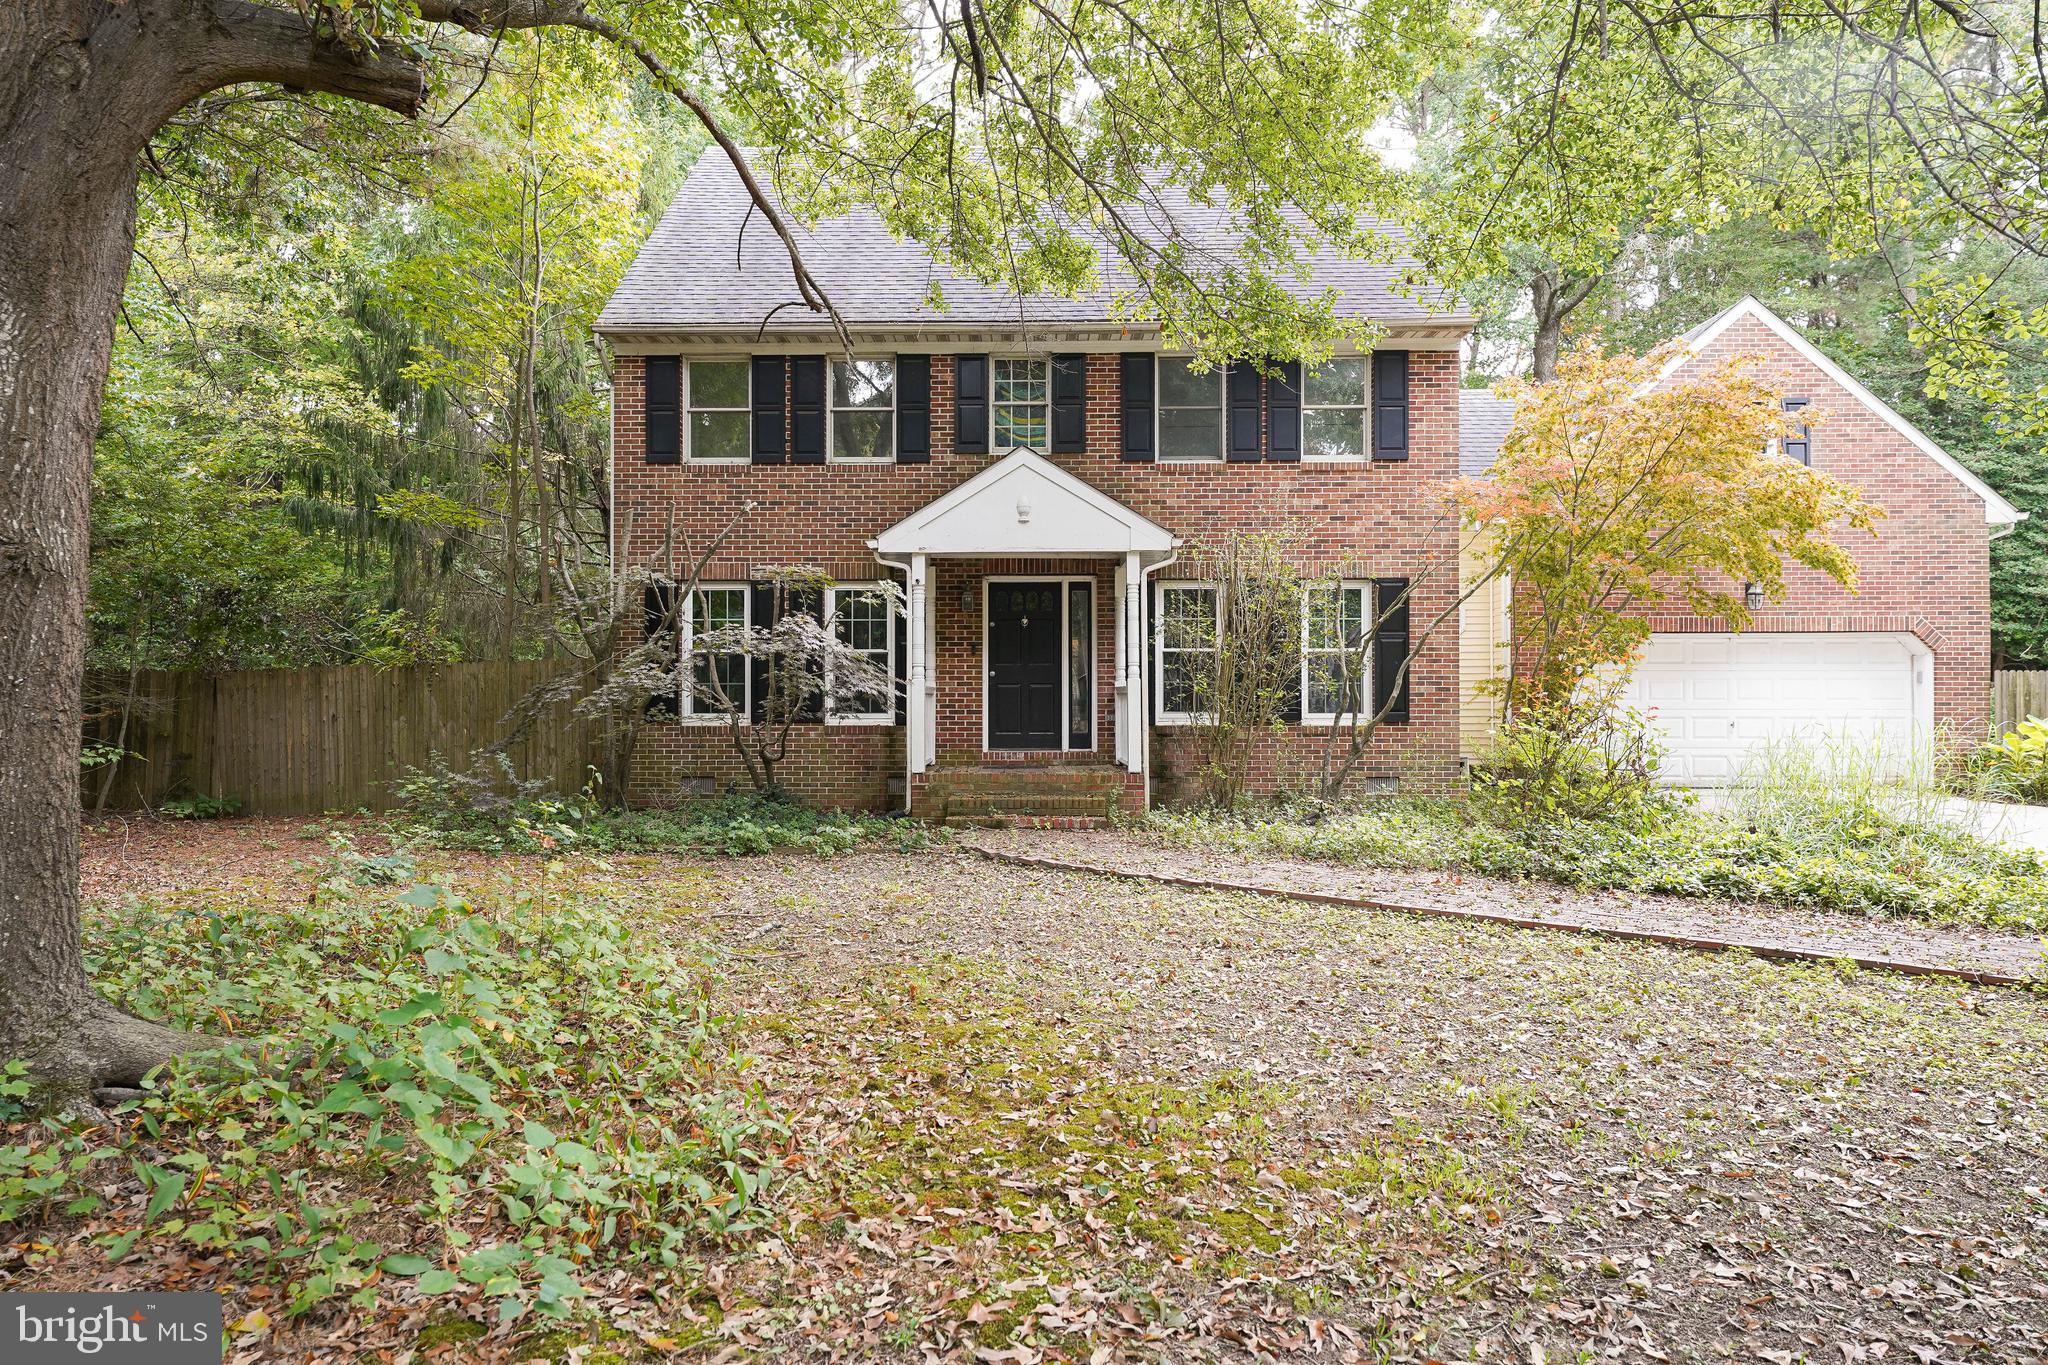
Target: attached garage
[1718, 698]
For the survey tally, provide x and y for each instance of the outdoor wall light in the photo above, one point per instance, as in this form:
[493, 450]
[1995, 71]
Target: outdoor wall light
[1753, 596]
[967, 597]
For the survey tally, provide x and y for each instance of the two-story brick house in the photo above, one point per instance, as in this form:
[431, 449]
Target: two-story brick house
[1040, 480]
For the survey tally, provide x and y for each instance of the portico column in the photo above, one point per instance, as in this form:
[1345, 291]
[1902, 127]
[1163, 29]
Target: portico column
[915, 621]
[1137, 748]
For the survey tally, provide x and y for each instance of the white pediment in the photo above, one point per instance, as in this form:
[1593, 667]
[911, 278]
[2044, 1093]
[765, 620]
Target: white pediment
[1023, 504]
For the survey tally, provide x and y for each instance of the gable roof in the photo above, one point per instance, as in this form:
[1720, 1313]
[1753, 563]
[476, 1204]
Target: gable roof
[1483, 422]
[713, 263]
[1997, 511]
[1024, 504]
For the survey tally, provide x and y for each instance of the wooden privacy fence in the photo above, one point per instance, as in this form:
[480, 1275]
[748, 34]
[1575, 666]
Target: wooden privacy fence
[2015, 695]
[288, 741]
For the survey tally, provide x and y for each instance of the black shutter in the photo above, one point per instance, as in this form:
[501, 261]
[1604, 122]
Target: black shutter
[657, 610]
[1390, 405]
[1069, 404]
[1390, 646]
[771, 418]
[1140, 435]
[1241, 403]
[1283, 412]
[1799, 447]
[913, 409]
[761, 615]
[664, 417]
[807, 409]
[970, 404]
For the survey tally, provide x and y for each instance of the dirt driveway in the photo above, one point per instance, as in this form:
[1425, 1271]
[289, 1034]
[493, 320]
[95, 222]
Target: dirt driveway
[1051, 1115]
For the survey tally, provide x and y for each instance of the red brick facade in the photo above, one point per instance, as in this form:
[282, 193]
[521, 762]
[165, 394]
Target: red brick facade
[1927, 571]
[1359, 519]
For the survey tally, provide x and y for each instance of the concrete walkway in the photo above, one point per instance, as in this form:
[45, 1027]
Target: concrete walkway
[1985, 956]
[2001, 822]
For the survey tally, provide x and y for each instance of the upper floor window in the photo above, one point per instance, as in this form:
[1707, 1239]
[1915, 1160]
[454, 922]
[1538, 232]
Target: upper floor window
[863, 410]
[1333, 410]
[1799, 447]
[1190, 410]
[861, 616]
[719, 399]
[1022, 403]
[1334, 661]
[720, 681]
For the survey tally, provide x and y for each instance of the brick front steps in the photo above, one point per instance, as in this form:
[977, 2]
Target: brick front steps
[1030, 795]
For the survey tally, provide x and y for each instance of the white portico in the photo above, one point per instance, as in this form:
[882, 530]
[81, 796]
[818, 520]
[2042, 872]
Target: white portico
[1025, 507]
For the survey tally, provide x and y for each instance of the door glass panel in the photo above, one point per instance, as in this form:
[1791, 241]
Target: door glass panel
[1080, 667]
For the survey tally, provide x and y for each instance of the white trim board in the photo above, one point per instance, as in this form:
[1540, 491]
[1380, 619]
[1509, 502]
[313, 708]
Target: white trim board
[1997, 511]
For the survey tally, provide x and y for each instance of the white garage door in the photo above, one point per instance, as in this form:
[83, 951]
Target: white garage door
[1715, 698]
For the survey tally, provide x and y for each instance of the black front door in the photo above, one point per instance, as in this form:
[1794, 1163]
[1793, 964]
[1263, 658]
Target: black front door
[1024, 684]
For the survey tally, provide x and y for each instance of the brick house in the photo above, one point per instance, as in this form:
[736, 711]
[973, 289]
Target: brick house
[1901, 663]
[1040, 480]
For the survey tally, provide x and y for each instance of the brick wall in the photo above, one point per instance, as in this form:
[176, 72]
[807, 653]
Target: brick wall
[1359, 519]
[1927, 571]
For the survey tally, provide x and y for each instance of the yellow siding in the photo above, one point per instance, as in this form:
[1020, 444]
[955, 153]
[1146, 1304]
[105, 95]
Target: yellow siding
[1482, 649]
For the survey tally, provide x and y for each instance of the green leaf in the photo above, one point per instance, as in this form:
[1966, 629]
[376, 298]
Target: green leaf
[406, 1265]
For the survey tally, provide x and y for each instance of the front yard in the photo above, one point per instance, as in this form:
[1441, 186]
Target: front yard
[1013, 1115]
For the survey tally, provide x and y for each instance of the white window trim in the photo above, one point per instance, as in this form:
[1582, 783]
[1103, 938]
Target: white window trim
[1066, 582]
[1160, 715]
[1044, 362]
[1365, 417]
[1366, 620]
[687, 382]
[686, 662]
[832, 413]
[1159, 406]
[884, 717]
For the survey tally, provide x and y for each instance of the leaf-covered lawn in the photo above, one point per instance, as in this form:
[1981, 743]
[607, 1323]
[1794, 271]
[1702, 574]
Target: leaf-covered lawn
[1036, 1117]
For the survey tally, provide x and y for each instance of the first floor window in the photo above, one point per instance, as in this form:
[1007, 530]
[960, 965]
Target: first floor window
[1022, 403]
[719, 396]
[1190, 410]
[1333, 406]
[861, 616]
[864, 409]
[1334, 665]
[1188, 640]
[720, 681]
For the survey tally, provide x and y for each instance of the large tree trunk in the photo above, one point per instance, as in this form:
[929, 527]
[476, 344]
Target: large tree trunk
[67, 226]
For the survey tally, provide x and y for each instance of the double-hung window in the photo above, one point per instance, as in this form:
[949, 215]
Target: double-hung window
[863, 410]
[719, 398]
[1333, 410]
[1023, 413]
[721, 684]
[1190, 410]
[1799, 445]
[862, 618]
[1335, 666]
[1188, 638]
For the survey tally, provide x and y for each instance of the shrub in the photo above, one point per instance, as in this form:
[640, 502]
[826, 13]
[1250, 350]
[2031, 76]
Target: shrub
[513, 1097]
[200, 807]
[494, 812]
[2017, 764]
[1583, 761]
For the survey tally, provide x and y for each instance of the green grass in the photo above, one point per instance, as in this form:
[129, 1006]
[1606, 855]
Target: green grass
[1783, 839]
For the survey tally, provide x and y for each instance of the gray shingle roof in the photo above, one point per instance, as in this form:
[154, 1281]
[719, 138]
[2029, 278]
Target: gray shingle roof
[1483, 423]
[710, 264]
